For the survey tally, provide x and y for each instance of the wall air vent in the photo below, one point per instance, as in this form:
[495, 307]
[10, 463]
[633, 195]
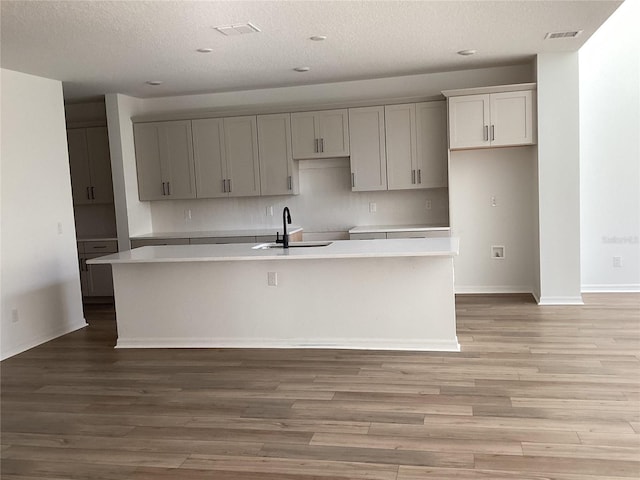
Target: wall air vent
[238, 29]
[570, 34]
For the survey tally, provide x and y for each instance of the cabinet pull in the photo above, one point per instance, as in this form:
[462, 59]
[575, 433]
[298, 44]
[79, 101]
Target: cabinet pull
[413, 177]
[486, 133]
[229, 182]
[353, 180]
[290, 182]
[163, 189]
[88, 193]
[95, 247]
[322, 144]
[93, 193]
[493, 132]
[168, 188]
[315, 147]
[419, 176]
[224, 185]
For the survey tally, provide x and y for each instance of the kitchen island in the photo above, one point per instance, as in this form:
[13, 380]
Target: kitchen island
[374, 294]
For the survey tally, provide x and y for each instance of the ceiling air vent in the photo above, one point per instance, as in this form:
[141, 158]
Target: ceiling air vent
[570, 34]
[238, 29]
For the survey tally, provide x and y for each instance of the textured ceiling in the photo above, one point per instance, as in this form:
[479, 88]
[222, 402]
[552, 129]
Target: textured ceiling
[98, 47]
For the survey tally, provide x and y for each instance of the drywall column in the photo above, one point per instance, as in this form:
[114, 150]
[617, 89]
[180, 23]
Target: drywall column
[40, 279]
[559, 178]
[610, 154]
[132, 216]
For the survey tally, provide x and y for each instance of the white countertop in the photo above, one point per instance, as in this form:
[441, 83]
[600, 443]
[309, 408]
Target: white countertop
[406, 247]
[398, 228]
[253, 232]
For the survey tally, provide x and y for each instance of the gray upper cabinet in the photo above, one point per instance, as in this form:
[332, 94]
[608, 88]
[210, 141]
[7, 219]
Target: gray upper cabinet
[322, 134]
[431, 148]
[90, 165]
[226, 157]
[368, 151]
[164, 158]
[398, 147]
[278, 172]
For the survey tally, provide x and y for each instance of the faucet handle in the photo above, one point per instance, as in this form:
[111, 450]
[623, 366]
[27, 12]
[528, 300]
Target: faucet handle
[278, 238]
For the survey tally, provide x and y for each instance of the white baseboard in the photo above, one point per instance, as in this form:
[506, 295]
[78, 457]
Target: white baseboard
[609, 288]
[484, 289]
[40, 339]
[560, 300]
[317, 343]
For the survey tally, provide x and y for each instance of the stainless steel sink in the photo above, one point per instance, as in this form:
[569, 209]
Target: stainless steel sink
[264, 246]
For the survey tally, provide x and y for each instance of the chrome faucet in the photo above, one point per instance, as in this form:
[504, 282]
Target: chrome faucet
[286, 218]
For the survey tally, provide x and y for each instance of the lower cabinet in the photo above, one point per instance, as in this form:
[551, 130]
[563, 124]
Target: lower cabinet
[95, 280]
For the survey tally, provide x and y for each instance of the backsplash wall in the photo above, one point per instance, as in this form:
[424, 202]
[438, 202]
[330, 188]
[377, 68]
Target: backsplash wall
[326, 204]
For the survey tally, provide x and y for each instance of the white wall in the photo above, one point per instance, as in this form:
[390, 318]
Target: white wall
[475, 176]
[40, 280]
[132, 216]
[559, 178]
[326, 203]
[610, 153]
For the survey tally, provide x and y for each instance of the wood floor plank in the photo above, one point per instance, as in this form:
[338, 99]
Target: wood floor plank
[268, 465]
[537, 393]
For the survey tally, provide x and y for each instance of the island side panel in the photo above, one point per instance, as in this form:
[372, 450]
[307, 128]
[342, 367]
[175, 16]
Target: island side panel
[376, 303]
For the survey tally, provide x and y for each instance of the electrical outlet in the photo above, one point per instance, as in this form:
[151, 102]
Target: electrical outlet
[428, 204]
[59, 228]
[617, 262]
[494, 202]
[187, 215]
[15, 316]
[373, 208]
[497, 251]
[269, 211]
[272, 279]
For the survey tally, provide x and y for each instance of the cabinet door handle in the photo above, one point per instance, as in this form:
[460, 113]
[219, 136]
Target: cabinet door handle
[322, 144]
[229, 182]
[93, 193]
[290, 183]
[315, 148]
[224, 185]
[419, 176]
[353, 180]
[168, 188]
[413, 177]
[163, 189]
[88, 193]
[486, 133]
[493, 132]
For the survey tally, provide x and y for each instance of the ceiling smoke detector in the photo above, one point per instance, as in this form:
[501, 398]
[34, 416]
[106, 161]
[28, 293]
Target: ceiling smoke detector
[569, 34]
[237, 29]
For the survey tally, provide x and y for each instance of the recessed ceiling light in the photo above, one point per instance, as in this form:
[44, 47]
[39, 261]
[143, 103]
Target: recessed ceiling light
[466, 53]
[302, 69]
[205, 50]
[318, 38]
[154, 82]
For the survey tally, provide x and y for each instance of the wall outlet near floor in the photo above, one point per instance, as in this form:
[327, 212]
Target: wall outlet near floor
[427, 205]
[373, 208]
[272, 279]
[497, 251]
[15, 316]
[617, 262]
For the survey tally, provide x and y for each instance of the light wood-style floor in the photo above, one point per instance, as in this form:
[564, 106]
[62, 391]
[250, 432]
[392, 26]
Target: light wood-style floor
[536, 393]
